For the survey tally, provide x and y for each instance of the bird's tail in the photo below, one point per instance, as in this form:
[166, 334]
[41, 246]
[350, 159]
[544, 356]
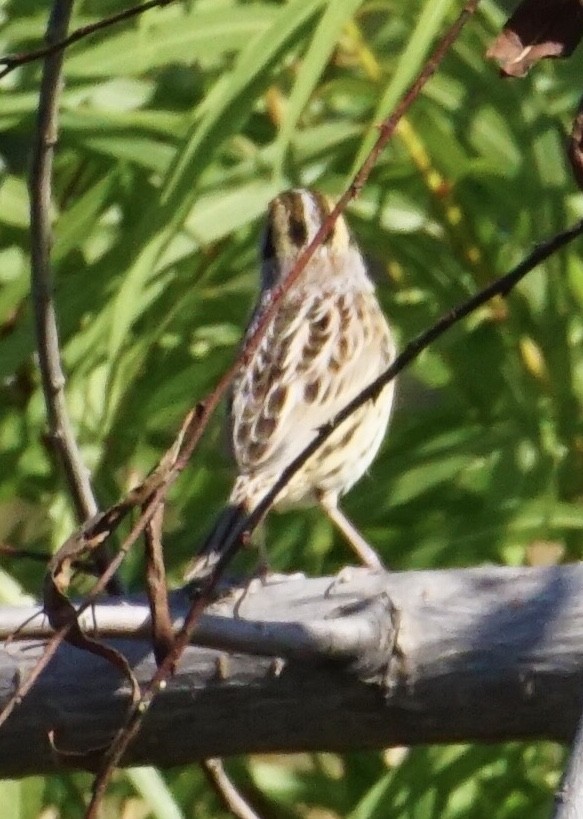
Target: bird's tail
[219, 539]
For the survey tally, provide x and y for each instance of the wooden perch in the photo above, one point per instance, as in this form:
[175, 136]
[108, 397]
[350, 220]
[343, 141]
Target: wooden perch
[367, 659]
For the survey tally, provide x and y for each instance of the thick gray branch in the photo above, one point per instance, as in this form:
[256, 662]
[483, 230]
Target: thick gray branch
[480, 654]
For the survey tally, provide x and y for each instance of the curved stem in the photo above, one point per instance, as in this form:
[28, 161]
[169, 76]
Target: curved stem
[61, 435]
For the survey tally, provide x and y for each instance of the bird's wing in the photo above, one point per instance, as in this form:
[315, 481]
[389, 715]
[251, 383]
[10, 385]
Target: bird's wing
[319, 352]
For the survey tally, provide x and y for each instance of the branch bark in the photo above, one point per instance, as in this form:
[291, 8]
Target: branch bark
[363, 660]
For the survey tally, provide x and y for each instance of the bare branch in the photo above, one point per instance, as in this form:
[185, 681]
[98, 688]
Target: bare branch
[501, 648]
[94, 532]
[10, 62]
[355, 635]
[53, 380]
[64, 617]
[61, 433]
[26, 683]
[156, 586]
[59, 611]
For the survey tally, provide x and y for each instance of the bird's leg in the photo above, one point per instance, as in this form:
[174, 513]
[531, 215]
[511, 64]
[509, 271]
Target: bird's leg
[366, 553]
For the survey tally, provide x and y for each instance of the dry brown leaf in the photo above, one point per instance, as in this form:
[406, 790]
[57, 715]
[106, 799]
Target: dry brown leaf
[537, 29]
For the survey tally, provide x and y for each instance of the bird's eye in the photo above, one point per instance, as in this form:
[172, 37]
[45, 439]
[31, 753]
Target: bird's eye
[297, 231]
[268, 249]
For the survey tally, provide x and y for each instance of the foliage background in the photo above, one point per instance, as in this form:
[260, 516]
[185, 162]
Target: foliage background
[176, 129]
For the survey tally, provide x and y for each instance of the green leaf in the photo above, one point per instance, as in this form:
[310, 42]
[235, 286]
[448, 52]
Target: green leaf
[76, 223]
[149, 783]
[187, 38]
[227, 104]
[216, 215]
[324, 40]
[14, 206]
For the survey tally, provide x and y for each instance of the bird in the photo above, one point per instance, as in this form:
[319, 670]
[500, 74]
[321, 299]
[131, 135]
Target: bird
[327, 340]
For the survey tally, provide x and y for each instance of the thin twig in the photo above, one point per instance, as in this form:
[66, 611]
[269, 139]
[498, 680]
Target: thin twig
[24, 687]
[156, 587]
[62, 630]
[14, 552]
[52, 590]
[53, 380]
[214, 770]
[13, 61]
[61, 432]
